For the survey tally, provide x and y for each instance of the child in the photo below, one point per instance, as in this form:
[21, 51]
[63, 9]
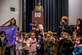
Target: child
[25, 46]
[78, 47]
[19, 40]
[50, 43]
[74, 36]
[3, 41]
[40, 45]
[32, 44]
[55, 40]
[65, 45]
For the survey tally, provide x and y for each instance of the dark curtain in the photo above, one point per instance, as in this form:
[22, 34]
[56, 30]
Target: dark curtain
[28, 6]
[53, 11]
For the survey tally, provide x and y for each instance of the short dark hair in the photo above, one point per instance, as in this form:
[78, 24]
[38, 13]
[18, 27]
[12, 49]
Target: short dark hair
[41, 35]
[3, 32]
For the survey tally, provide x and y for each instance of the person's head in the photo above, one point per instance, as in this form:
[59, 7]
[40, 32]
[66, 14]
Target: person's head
[27, 35]
[40, 26]
[41, 35]
[64, 34]
[13, 22]
[77, 40]
[35, 24]
[65, 18]
[55, 35]
[78, 21]
[50, 33]
[62, 22]
[2, 33]
[32, 35]
[74, 33]
[39, 4]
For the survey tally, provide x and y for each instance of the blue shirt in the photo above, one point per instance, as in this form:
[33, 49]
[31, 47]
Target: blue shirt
[78, 50]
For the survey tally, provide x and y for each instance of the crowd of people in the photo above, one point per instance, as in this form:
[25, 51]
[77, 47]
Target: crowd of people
[37, 42]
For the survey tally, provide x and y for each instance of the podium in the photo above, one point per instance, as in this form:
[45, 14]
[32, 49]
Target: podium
[38, 16]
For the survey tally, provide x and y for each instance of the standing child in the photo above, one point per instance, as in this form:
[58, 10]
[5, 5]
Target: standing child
[74, 36]
[78, 47]
[25, 45]
[19, 40]
[3, 41]
[32, 44]
[50, 43]
[65, 45]
[40, 45]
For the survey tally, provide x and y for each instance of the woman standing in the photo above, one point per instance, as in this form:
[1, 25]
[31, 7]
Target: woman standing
[78, 29]
[12, 47]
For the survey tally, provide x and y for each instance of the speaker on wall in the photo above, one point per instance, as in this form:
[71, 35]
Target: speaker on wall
[12, 9]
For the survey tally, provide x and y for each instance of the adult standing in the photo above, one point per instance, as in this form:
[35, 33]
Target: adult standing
[78, 28]
[13, 23]
[37, 29]
[12, 47]
[63, 27]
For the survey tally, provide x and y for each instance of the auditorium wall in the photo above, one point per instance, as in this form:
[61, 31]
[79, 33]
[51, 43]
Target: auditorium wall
[5, 12]
[75, 11]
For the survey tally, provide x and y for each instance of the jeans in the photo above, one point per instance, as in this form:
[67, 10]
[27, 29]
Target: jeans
[12, 50]
[25, 52]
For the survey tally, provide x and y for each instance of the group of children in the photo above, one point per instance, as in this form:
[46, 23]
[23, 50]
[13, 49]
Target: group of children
[28, 44]
[39, 43]
[47, 44]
